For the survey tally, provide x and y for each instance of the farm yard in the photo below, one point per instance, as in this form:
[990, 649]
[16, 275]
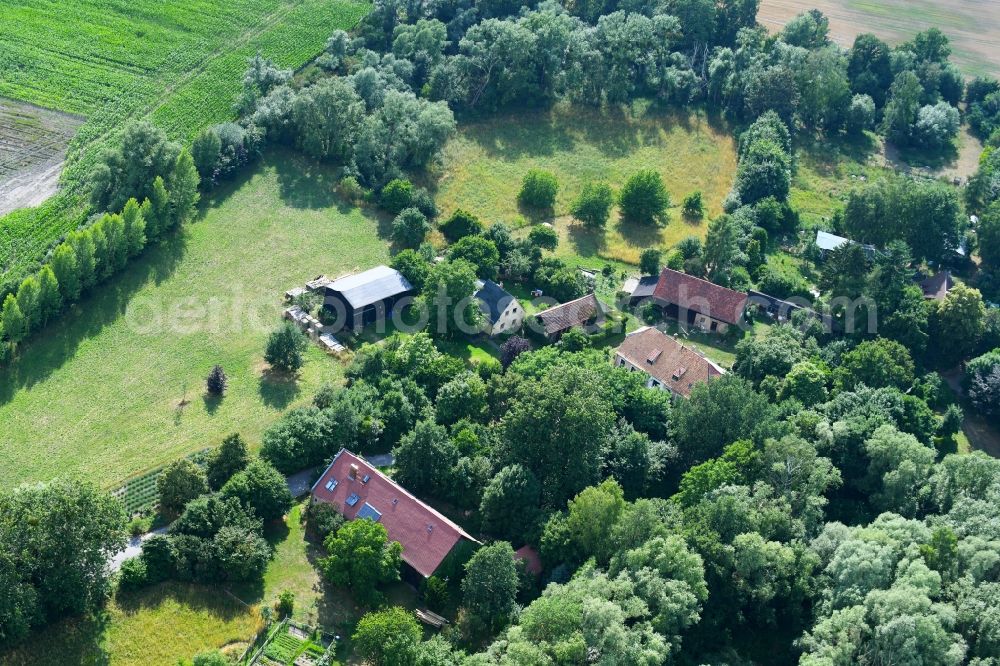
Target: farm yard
[179, 63]
[483, 166]
[972, 26]
[108, 381]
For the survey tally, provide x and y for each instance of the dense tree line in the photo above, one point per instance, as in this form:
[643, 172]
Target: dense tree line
[144, 167]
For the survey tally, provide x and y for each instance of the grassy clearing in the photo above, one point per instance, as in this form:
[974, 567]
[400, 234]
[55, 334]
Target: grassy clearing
[180, 63]
[825, 174]
[484, 165]
[100, 393]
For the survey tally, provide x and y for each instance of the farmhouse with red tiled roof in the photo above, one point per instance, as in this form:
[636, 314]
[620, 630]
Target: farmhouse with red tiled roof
[359, 490]
[670, 365]
[698, 302]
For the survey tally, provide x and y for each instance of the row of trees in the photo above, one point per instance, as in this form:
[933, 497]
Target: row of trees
[92, 254]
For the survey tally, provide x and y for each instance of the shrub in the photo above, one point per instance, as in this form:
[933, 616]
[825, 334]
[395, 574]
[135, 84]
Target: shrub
[284, 348]
[410, 227]
[649, 261]
[132, 574]
[178, 484]
[323, 519]
[286, 603]
[593, 206]
[544, 237]
[424, 202]
[644, 198]
[693, 206]
[461, 223]
[396, 195]
[436, 594]
[216, 382]
[538, 190]
[350, 189]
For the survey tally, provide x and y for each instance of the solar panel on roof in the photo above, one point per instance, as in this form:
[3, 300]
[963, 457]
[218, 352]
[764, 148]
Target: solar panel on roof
[370, 512]
[353, 499]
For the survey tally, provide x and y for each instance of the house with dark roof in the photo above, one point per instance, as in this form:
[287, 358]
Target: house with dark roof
[502, 313]
[698, 302]
[586, 312]
[643, 289]
[360, 298]
[937, 286]
[669, 365]
[773, 306]
[358, 490]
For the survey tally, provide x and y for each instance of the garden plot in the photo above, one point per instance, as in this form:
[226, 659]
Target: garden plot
[33, 144]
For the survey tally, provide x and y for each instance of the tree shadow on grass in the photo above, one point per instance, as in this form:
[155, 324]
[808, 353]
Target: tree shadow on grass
[304, 182]
[77, 640]
[203, 598]
[528, 134]
[212, 402]
[336, 608]
[587, 242]
[49, 349]
[278, 389]
[640, 235]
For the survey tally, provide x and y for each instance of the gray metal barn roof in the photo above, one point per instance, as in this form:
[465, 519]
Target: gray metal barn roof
[828, 241]
[371, 286]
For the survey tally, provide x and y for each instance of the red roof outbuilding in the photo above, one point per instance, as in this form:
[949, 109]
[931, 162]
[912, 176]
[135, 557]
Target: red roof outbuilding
[701, 296]
[359, 490]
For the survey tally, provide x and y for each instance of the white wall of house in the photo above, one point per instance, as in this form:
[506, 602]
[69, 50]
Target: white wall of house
[706, 324]
[651, 382]
[510, 320]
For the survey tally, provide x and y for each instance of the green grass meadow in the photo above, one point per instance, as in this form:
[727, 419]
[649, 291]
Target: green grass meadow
[100, 393]
[179, 63]
[483, 167]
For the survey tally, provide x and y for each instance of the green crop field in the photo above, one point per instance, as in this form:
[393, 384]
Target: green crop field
[180, 63]
[484, 165]
[108, 381]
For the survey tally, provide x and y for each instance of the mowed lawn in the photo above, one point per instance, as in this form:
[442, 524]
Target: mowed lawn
[100, 394]
[483, 167]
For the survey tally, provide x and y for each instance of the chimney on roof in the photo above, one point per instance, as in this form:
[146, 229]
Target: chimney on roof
[352, 473]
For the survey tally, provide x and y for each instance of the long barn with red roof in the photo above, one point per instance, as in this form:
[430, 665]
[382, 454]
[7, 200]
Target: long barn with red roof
[358, 490]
